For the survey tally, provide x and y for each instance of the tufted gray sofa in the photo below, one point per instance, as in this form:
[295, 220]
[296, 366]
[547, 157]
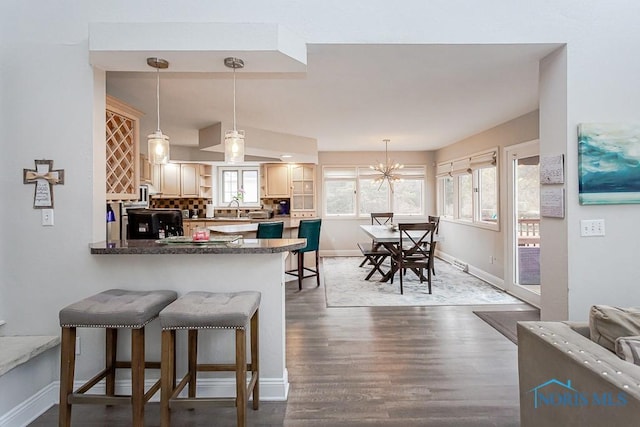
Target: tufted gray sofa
[568, 380]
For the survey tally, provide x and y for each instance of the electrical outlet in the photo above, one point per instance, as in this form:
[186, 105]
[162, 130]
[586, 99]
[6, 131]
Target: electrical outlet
[491, 259]
[591, 227]
[77, 345]
[47, 217]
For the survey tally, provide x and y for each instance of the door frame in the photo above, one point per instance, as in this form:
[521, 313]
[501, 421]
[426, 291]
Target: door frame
[510, 240]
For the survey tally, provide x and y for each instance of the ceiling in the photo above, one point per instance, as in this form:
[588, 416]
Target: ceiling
[421, 97]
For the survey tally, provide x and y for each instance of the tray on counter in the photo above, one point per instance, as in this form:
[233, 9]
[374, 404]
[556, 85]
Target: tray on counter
[188, 240]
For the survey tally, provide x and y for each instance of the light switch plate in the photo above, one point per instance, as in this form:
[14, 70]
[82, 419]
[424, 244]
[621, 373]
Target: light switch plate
[47, 217]
[592, 227]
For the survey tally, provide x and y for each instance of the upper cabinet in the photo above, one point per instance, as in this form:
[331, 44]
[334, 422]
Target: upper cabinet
[170, 180]
[303, 190]
[180, 180]
[122, 150]
[277, 183]
[190, 180]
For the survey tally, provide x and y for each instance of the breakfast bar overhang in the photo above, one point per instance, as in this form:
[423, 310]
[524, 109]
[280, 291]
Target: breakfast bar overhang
[246, 264]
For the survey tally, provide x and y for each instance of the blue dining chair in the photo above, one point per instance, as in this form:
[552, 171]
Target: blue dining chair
[270, 230]
[309, 229]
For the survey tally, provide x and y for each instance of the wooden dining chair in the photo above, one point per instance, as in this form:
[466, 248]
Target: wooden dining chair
[436, 221]
[270, 230]
[370, 249]
[415, 251]
[309, 229]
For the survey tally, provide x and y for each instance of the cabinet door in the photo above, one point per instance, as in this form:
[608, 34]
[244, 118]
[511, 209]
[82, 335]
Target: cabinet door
[170, 180]
[303, 190]
[189, 176]
[277, 180]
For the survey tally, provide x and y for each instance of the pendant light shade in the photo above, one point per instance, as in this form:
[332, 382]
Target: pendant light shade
[234, 139]
[388, 171]
[158, 143]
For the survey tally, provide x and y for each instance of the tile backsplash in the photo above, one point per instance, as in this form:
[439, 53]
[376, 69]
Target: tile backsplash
[199, 204]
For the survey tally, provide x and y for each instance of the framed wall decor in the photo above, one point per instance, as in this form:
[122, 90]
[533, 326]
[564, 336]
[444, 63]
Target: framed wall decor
[609, 163]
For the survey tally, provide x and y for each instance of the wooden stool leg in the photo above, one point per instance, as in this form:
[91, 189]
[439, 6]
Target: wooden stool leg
[167, 375]
[111, 346]
[67, 370]
[137, 376]
[193, 361]
[300, 269]
[241, 376]
[255, 359]
[318, 268]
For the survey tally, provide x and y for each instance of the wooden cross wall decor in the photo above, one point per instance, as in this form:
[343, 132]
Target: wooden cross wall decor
[44, 177]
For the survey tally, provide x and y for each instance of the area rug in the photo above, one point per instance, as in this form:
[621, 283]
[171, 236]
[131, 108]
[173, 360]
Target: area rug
[506, 322]
[345, 287]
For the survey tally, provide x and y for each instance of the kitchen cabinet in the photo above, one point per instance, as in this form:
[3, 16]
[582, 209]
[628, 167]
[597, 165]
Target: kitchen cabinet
[180, 180]
[145, 169]
[122, 124]
[303, 191]
[189, 180]
[189, 226]
[277, 182]
[170, 180]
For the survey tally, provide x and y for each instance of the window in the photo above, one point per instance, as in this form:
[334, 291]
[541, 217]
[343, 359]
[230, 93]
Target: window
[353, 191]
[467, 189]
[242, 184]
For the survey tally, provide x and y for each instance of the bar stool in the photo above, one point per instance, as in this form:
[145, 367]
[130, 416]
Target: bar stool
[113, 309]
[207, 310]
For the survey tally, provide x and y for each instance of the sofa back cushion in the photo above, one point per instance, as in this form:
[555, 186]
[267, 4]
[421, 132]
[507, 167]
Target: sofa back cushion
[607, 323]
[628, 348]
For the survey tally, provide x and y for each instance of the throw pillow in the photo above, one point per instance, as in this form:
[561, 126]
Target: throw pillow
[628, 348]
[606, 324]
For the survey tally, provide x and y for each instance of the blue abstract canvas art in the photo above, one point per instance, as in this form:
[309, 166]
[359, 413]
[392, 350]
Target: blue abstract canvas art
[609, 163]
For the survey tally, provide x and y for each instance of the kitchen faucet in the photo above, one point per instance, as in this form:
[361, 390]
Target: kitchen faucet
[237, 203]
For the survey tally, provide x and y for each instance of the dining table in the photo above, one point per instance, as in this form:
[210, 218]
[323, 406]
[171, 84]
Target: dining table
[389, 238]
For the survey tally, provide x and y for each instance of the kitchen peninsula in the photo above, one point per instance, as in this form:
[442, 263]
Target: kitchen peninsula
[245, 264]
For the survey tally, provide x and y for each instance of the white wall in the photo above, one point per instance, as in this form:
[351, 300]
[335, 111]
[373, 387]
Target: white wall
[471, 244]
[48, 99]
[340, 236]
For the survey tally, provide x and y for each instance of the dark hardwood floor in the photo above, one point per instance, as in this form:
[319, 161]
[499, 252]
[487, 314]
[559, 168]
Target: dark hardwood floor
[378, 366]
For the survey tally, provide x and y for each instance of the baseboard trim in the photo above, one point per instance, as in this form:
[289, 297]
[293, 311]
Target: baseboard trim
[474, 271]
[271, 390]
[32, 408]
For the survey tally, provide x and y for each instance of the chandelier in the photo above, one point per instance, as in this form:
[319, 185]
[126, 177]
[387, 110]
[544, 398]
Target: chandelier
[234, 139]
[387, 171]
[158, 142]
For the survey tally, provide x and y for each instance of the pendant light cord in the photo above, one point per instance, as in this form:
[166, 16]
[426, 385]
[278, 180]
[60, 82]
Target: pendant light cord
[234, 99]
[158, 95]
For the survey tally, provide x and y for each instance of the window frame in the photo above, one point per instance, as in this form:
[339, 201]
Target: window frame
[360, 172]
[468, 166]
[239, 170]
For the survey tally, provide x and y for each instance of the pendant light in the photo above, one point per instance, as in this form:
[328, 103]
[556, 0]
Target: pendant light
[388, 171]
[158, 142]
[234, 139]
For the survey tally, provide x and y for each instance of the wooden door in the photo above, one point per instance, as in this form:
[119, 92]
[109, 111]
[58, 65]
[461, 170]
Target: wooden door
[189, 176]
[170, 180]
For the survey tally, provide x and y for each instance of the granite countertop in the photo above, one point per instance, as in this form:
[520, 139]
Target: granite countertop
[246, 228]
[240, 246]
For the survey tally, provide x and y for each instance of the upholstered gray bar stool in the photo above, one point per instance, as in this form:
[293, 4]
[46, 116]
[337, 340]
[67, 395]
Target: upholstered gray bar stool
[113, 309]
[207, 310]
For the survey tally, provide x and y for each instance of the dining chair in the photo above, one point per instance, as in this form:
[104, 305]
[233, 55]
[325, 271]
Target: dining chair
[270, 230]
[415, 251]
[435, 220]
[309, 229]
[369, 249]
